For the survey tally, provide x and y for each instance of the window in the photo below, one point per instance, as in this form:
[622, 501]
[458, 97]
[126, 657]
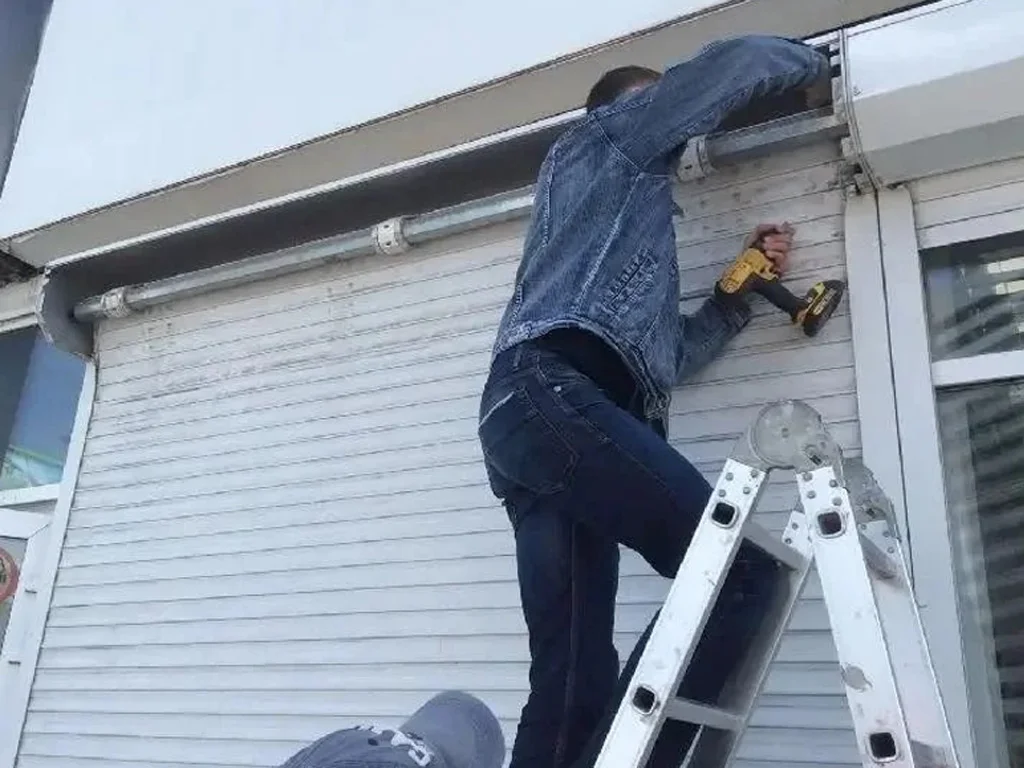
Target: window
[975, 309]
[39, 389]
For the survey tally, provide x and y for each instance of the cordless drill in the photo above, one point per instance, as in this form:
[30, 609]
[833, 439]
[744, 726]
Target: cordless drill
[754, 271]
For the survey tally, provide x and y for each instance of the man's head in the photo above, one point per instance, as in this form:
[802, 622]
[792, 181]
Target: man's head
[617, 82]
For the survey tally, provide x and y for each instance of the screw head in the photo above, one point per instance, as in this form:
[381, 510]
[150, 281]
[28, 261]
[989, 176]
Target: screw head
[837, 502]
[811, 494]
[754, 473]
[807, 476]
[833, 483]
[728, 475]
[891, 550]
[721, 492]
[746, 489]
[794, 526]
[788, 540]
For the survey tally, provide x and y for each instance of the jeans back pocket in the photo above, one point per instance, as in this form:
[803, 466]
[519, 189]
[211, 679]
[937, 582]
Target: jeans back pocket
[520, 444]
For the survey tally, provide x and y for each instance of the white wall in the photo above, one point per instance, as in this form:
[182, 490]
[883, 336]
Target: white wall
[131, 96]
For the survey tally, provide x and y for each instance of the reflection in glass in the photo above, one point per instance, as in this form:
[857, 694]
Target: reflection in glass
[12, 555]
[975, 296]
[39, 388]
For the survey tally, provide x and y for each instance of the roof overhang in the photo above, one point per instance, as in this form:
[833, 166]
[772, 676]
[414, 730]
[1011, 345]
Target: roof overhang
[307, 170]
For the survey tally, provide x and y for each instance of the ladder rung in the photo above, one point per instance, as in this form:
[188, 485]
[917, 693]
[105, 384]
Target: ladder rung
[763, 539]
[701, 714]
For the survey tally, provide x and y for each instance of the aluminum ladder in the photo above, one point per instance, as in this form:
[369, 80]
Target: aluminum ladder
[844, 524]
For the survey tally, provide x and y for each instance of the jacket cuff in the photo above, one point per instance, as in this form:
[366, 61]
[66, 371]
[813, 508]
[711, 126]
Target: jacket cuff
[734, 310]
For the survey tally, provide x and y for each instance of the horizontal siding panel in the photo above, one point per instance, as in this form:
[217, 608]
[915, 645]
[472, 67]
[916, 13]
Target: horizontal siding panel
[635, 588]
[62, 761]
[430, 620]
[158, 752]
[369, 474]
[475, 508]
[307, 442]
[288, 534]
[784, 679]
[798, 647]
[282, 494]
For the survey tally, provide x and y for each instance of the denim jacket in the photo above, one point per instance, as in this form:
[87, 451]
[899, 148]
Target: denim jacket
[600, 250]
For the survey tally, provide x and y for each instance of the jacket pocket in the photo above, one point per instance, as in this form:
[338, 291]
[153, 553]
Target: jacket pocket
[523, 447]
[631, 284]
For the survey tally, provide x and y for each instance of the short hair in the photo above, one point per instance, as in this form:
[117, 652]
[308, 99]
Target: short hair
[615, 82]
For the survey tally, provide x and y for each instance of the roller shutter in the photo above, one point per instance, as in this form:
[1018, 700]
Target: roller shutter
[282, 525]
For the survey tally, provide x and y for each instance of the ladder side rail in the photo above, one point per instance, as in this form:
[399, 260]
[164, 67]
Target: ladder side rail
[719, 747]
[689, 603]
[865, 666]
[927, 722]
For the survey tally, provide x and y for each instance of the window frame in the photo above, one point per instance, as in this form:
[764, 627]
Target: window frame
[917, 381]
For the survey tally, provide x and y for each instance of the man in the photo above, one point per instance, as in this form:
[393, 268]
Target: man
[573, 414]
[451, 730]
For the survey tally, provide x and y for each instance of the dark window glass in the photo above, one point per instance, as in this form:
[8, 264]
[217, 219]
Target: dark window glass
[39, 388]
[975, 296]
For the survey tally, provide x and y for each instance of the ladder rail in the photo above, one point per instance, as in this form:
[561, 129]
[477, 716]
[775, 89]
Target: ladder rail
[677, 631]
[718, 747]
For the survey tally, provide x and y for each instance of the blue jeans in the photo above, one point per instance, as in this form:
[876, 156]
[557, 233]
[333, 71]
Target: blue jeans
[579, 475]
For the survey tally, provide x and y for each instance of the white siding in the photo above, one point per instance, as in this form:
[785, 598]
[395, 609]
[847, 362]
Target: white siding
[282, 524]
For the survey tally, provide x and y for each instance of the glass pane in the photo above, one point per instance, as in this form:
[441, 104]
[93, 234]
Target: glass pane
[975, 296]
[39, 388]
[982, 429]
[12, 555]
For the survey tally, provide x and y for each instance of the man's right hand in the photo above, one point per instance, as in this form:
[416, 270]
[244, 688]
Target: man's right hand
[776, 240]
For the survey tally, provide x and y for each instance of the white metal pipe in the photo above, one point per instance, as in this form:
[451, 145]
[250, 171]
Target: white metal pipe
[726, 148]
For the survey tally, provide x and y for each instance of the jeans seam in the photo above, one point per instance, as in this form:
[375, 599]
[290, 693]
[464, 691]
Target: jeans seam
[574, 626]
[574, 455]
[653, 477]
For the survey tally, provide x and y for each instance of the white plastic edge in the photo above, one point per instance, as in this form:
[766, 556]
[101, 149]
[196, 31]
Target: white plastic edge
[21, 496]
[917, 421]
[978, 369]
[872, 361]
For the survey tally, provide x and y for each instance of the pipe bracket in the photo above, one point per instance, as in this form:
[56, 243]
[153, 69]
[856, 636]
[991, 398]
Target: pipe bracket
[114, 303]
[694, 162]
[389, 238]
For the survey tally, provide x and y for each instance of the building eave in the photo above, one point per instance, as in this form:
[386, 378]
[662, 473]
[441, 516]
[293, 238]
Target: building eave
[537, 94]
